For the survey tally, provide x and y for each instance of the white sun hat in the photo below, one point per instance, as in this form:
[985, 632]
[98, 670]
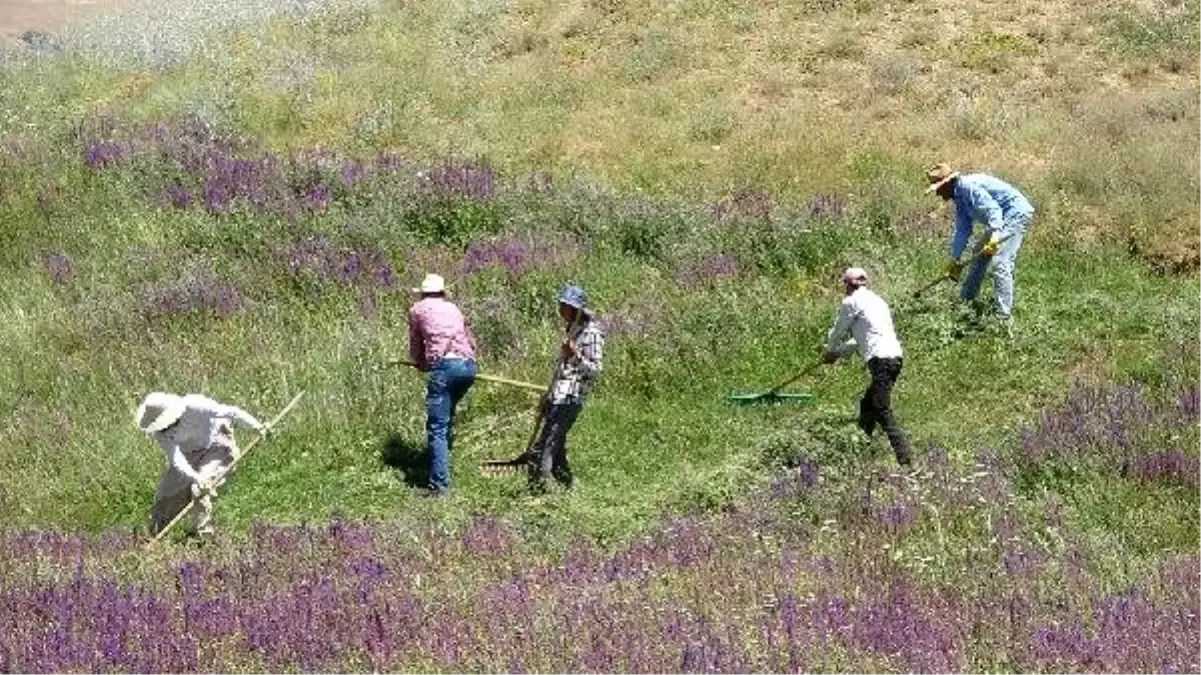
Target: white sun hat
[159, 411]
[854, 275]
[432, 283]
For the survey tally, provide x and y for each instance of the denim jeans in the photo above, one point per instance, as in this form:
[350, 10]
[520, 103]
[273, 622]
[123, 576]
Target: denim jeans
[1002, 268]
[448, 382]
[876, 406]
[549, 456]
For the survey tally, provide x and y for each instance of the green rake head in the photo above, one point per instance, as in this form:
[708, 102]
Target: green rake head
[770, 397]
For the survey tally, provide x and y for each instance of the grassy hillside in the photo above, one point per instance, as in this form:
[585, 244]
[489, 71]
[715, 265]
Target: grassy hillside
[243, 212]
[752, 151]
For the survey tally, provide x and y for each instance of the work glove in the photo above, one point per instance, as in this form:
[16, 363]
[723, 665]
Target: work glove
[953, 270]
[202, 487]
[992, 246]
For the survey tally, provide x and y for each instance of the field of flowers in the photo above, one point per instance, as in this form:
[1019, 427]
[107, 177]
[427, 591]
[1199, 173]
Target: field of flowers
[953, 569]
[238, 201]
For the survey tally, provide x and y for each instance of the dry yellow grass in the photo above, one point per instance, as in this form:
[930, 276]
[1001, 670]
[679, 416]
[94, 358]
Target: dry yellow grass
[1079, 104]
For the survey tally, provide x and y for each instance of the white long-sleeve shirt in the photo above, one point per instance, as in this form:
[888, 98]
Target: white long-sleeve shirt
[867, 318]
[203, 423]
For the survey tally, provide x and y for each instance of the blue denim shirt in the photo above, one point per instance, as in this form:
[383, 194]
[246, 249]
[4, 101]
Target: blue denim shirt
[988, 200]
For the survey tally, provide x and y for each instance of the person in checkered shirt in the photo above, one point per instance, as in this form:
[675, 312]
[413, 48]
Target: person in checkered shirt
[577, 372]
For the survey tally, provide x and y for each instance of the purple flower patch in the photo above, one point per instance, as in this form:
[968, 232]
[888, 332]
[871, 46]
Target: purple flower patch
[474, 180]
[102, 155]
[59, 267]
[201, 292]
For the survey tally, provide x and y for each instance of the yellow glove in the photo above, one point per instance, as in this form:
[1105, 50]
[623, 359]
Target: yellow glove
[990, 249]
[953, 269]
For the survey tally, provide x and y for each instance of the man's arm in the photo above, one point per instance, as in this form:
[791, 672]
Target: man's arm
[963, 231]
[475, 348]
[240, 416]
[986, 209]
[180, 463]
[416, 342]
[836, 342]
[208, 406]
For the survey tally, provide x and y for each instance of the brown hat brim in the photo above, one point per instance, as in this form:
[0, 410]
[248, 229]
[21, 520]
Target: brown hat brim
[948, 179]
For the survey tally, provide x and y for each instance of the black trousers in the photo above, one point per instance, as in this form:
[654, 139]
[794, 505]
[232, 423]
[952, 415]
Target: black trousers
[549, 456]
[876, 406]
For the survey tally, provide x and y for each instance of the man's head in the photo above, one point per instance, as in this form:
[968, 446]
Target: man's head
[942, 180]
[158, 412]
[572, 301]
[432, 286]
[854, 278]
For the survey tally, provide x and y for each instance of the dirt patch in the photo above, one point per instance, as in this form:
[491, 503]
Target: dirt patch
[46, 16]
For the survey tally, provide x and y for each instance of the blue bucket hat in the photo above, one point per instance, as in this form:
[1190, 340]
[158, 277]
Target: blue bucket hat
[574, 296]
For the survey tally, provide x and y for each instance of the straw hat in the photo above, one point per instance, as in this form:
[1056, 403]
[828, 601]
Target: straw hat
[939, 175]
[432, 283]
[159, 411]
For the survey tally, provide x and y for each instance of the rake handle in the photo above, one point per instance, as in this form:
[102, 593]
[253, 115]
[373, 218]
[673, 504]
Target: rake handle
[971, 261]
[482, 376]
[270, 425]
[804, 371]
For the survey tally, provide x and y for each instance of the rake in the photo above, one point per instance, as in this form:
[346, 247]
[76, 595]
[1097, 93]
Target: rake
[479, 376]
[774, 395]
[270, 425]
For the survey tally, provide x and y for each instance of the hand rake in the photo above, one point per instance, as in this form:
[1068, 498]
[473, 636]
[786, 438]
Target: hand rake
[270, 425]
[774, 395]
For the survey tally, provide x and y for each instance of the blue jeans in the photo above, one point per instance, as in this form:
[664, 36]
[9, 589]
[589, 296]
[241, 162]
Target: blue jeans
[448, 382]
[1002, 267]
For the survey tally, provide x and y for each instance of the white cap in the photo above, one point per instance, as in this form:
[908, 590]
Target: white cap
[432, 283]
[159, 411]
[854, 275]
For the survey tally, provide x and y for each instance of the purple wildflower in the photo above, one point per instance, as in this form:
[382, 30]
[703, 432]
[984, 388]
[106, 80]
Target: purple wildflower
[475, 180]
[59, 267]
[102, 154]
[201, 292]
[178, 197]
[318, 198]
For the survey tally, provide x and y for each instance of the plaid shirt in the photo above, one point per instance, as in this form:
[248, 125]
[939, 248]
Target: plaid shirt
[576, 375]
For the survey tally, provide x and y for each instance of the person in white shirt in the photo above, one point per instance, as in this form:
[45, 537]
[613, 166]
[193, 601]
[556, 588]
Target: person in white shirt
[195, 432]
[866, 317]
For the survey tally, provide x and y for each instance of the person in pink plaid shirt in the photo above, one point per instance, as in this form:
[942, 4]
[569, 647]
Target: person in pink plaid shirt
[441, 344]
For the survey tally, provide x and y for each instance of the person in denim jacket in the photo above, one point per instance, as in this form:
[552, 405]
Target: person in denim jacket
[1005, 213]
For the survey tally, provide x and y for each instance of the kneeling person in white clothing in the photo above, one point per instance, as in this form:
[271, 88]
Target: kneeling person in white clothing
[866, 317]
[196, 434]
